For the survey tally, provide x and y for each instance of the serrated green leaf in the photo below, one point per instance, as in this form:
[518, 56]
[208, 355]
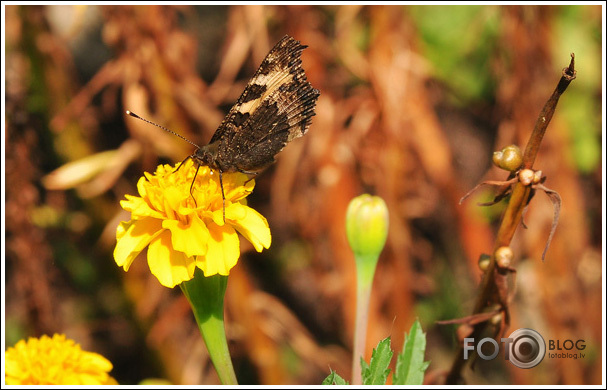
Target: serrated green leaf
[376, 373]
[364, 366]
[364, 369]
[410, 365]
[334, 379]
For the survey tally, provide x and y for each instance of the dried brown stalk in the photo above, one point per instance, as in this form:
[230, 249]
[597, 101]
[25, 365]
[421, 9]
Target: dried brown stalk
[494, 286]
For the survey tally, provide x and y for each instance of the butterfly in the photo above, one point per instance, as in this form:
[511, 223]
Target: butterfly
[276, 107]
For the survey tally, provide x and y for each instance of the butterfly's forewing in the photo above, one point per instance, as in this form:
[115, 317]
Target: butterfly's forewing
[276, 107]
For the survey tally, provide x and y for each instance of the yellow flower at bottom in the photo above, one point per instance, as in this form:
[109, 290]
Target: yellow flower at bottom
[55, 361]
[183, 231]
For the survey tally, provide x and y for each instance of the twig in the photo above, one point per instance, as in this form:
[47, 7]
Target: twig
[543, 120]
[493, 289]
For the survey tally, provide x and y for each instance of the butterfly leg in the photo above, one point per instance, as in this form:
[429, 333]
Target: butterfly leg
[181, 163]
[193, 180]
[248, 173]
[223, 197]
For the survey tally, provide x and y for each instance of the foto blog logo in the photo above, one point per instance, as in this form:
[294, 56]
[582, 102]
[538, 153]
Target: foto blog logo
[525, 348]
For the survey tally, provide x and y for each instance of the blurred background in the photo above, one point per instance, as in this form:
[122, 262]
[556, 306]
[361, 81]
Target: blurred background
[414, 100]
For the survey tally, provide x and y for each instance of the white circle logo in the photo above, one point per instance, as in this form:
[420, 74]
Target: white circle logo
[527, 348]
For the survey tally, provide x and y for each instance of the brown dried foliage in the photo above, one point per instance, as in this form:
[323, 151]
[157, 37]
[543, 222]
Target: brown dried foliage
[380, 127]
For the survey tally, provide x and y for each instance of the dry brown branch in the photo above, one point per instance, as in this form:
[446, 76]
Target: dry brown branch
[494, 287]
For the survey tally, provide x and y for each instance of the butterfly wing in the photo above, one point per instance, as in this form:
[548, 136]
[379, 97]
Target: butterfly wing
[276, 107]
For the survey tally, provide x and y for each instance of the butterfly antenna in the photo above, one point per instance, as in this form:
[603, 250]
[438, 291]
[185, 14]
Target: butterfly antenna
[162, 127]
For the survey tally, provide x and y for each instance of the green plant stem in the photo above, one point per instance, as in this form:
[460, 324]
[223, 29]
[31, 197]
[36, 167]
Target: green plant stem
[489, 292]
[365, 271]
[205, 295]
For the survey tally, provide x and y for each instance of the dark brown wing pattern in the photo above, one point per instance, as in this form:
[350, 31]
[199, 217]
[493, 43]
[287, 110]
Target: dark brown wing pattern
[276, 107]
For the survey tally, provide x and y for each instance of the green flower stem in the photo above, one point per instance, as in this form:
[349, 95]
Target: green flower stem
[205, 295]
[365, 269]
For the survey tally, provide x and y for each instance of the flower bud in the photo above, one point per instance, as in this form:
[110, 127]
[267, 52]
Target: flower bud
[509, 158]
[526, 176]
[483, 262]
[496, 319]
[503, 256]
[367, 225]
[537, 177]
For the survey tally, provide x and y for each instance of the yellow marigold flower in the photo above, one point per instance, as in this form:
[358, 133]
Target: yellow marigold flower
[55, 361]
[186, 231]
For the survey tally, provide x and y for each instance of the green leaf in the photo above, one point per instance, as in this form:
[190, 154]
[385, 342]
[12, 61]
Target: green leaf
[376, 373]
[334, 379]
[410, 365]
[364, 368]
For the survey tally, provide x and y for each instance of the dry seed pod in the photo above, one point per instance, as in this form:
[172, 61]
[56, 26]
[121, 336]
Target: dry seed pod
[526, 176]
[483, 262]
[496, 319]
[509, 158]
[537, 177]
[503, 256]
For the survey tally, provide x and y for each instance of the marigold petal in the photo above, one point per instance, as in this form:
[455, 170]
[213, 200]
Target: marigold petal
[170, 267]
[252, 225]
[110, 381]
[223, 251]
[132, 237]
[172, 198]
[93, 369]
[141, 185]
[190, 239]
[97, 361]
[240, 191]
[139, 208]
[13, 374]
[217, 215]
[155, 197]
